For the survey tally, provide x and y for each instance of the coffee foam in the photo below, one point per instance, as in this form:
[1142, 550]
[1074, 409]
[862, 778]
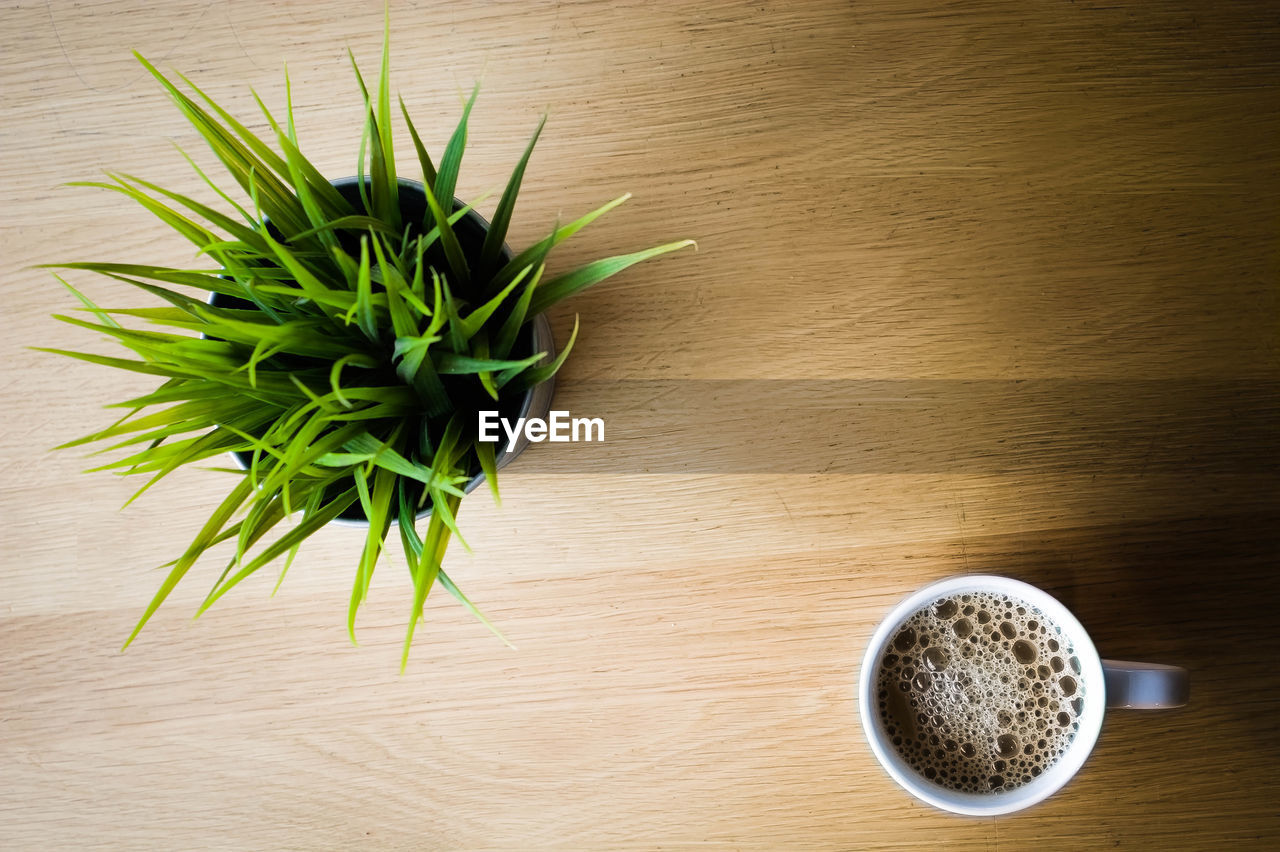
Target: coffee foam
[980, 692]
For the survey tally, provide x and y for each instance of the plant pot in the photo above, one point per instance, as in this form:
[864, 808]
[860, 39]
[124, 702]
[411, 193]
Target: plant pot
[534, 337]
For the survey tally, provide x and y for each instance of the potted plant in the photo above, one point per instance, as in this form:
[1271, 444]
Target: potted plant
[340, 346]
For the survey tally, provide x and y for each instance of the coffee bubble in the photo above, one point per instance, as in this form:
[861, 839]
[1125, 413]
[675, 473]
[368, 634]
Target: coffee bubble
[935, 659]
[980, 693]
[1023, 651]
[945, 608]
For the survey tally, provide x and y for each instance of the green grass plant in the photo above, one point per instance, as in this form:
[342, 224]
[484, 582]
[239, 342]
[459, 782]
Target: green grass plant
[345, 349]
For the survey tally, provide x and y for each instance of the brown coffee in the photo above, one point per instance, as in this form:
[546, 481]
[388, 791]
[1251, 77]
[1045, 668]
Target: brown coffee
[980, 692]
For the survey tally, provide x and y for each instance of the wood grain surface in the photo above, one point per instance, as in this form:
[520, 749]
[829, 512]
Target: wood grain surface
[982, 286]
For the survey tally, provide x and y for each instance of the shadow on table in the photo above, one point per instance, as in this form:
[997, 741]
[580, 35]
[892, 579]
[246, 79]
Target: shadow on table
[1202, 593]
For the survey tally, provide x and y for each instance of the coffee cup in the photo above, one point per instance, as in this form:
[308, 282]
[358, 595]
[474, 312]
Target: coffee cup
[983, 695]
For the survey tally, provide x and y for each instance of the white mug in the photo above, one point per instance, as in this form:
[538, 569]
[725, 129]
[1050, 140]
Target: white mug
[1110, 684]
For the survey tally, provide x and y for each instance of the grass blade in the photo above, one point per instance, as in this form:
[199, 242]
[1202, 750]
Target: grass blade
[452, 248]
[447, 177]
[497, 234]
[593, 273]
[515, 320]
[489, 466]
[309, 525]
[537, 375]
[424, 159]
[535, 253]
[203, 540]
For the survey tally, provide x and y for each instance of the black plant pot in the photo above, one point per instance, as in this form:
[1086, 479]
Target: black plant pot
[534, 337]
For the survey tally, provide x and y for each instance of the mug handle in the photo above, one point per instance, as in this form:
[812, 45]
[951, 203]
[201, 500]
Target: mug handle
[1145, 686]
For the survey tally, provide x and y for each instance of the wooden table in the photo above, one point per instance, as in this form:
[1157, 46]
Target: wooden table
[979, 287]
